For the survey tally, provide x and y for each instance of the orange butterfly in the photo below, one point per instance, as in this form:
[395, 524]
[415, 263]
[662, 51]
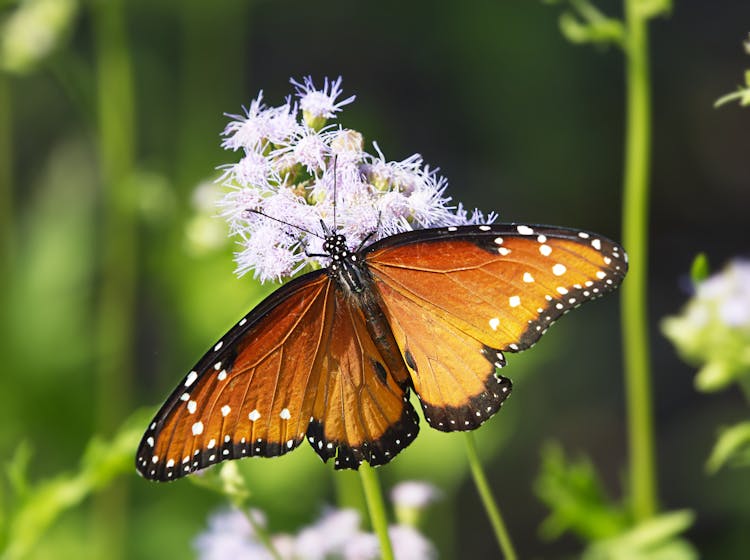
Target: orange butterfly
[331, 356]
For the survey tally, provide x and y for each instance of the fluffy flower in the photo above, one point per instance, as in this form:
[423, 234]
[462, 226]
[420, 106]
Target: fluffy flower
[295, 173]
[230, 535]
[714, 328]
[414, 493]
[320, 103]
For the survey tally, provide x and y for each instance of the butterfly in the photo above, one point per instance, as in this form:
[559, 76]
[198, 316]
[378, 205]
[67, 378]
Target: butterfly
[332, 356]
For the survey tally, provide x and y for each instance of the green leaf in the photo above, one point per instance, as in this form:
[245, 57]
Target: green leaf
[576, 498]
[42, 503]
[732, 448]
[700, 269]
[654, 539]
[653, 8]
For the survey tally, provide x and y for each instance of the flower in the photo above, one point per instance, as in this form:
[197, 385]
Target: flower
[327, 536]
[336, 535]
[319, 105]
[410, 500]
[414, 493]
[231, 535]
[296, 172]
[714, 328]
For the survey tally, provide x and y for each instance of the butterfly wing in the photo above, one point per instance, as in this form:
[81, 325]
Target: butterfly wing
[252, 394]
[362, 411]
[457, 298]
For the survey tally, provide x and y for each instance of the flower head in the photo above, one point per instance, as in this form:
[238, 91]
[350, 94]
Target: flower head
[410, 500]
[319, 105]
[230, 535]
[295, 172]
[714, 327]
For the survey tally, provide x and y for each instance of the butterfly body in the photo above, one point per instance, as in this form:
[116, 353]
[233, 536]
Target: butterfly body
[332, 356]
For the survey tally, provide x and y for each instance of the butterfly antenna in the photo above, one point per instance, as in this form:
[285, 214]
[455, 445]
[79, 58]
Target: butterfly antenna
[335, 180]
[261, 213]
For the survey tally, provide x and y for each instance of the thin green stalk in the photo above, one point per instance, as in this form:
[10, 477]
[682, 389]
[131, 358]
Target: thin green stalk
[488, 500]
[117, 245]
[262, 534]
[376, 507]
[635, 239]
[7, 217]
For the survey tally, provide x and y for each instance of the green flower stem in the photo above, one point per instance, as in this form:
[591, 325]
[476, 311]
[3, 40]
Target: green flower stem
[116, 297]
[490, 505]
[262, 534]
[7, 220]
[635, 237]
[376, 507]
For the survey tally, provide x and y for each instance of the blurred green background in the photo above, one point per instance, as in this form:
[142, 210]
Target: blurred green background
[110, 291]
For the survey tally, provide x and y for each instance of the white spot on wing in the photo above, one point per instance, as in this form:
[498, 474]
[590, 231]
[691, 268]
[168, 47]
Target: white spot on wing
[192, 376]
[494, 323]
[545, 250]
[525, 230]
[197, 428]
[596, 244]
[528, 278]
[514, 301]
[226, 409]
[218, 346]
[254, 415]
[559, 269]
[191, 406]
[285, 414]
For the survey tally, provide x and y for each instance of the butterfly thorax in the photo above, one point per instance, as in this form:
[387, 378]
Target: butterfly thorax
[345, 265]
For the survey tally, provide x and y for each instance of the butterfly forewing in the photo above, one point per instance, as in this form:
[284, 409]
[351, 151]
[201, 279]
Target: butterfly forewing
[252, 394]
[486, 290]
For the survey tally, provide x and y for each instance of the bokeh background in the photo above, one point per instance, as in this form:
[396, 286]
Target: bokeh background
[113, 282]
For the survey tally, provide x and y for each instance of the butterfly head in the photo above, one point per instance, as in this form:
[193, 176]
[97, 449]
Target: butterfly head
[345, 265]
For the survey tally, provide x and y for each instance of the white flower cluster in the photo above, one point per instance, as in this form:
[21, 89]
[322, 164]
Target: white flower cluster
[336, 535]
[714, 328]
[297, 171]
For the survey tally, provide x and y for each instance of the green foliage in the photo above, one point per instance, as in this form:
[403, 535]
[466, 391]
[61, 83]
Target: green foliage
[576, 499]
[656, 538]
[711, 331]
[743, 92]
[34, 506]
[732, 448]
[700, 269]
[579, 504]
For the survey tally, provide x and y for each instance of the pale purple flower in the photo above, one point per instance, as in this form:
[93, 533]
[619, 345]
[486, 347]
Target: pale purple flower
[320, 103]
[283, 186]
[414, 494]
[328, 536]
[410, 544]
[248, 131]
[231, 535]
[729, 291]
[307, 147]
[362, 546]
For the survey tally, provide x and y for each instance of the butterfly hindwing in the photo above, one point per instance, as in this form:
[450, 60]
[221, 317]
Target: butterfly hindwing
[474, 289]
[361, 411]
[251, 395]
[452, 373]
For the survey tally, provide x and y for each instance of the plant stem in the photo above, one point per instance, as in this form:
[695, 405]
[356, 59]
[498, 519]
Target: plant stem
[376, 507]
[7, 216]
[262, 534]
[635, 237]
[490, 505]
[117, 246]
